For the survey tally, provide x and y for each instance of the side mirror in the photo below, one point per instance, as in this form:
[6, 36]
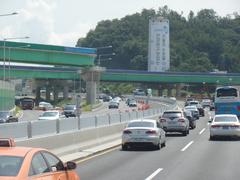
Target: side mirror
[70, 165]
[210, 120]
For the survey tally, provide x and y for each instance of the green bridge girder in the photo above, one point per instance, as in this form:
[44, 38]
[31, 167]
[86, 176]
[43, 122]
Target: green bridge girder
[171, 78]
[109, 76]
[46, 54]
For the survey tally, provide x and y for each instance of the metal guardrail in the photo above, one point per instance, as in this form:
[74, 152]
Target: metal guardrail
[34, 129]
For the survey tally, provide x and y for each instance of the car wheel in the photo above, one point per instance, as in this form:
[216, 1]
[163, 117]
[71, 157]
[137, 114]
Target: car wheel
[188, 131]
[124, 147]
[164, 144]
[184, 133]
[158, 146]
[211, 138]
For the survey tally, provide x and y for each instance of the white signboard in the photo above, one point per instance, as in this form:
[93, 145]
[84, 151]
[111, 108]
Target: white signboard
[158, 50]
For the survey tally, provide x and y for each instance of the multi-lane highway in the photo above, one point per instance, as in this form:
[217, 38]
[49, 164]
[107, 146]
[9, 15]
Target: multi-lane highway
[193, 157]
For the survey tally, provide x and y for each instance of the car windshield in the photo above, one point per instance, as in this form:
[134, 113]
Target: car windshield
[226, 119]
[10, 165]
[3, 114]
[50, 114]
[141, 124]
[69, 107]
[171, 114]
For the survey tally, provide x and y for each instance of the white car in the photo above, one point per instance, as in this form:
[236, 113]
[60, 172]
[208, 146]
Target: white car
[45, 106]
[224, 125]
[51, 115]
[143, 132]
[175, 121]
[194, 111]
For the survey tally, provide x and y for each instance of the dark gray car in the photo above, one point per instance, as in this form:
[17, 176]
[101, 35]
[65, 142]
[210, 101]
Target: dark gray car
[70, 110]
[7, 117]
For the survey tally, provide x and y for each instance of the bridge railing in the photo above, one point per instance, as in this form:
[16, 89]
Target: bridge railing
[34, 129]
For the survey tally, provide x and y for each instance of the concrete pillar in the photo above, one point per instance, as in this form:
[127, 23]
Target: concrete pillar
[65, 92]
[38, 95]
[169, 91]
[160, 90]
[92, 77]
[48, 98]
[178, 90]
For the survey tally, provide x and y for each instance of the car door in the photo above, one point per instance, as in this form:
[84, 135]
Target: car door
[41, 169]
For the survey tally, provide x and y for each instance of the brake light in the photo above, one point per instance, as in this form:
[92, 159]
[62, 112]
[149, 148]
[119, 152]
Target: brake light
[127, 132]
[215, 126]
[162, 120]
[151, 132]
[238, 108]
[181, 120]
[235, 126]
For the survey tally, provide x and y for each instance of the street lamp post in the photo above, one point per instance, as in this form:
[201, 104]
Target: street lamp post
[4, 53]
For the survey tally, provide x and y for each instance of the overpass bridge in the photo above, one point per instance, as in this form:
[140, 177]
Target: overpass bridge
[115, 75]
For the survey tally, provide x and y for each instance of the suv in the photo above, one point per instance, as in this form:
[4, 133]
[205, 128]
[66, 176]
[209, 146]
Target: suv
[175, 121]
[199, 107]
[7, 117]
[70, 110]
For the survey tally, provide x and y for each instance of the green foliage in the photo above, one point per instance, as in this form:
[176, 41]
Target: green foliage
[199, 42]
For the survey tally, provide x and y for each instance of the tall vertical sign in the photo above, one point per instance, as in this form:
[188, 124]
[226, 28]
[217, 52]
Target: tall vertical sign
[158, 46]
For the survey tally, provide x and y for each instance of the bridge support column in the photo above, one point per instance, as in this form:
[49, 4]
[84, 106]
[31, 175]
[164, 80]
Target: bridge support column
[160, 90]
[169, 91]
[92, 77]
[178, 89]
[65, 91]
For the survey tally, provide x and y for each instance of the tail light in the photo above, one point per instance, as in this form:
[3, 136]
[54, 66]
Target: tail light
[127, 132]
[215, 126]
[151, 132]
[235, 126]
[162, 120]
[181, 120]
[238, 108]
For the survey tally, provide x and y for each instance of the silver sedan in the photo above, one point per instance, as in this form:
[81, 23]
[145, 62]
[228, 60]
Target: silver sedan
[224, 125]
[143, 132]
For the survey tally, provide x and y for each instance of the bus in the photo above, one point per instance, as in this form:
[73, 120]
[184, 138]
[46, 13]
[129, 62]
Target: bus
[227, 100]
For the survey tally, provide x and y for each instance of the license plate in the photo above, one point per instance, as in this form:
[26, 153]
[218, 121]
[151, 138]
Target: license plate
[225, 127]
[139, 139]
[172, 122]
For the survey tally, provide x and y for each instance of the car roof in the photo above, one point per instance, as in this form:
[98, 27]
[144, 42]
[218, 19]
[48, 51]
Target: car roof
[141, 120]
[51, 111]
[225, 115]
[192, 107]
[17, 151]
[173, 111]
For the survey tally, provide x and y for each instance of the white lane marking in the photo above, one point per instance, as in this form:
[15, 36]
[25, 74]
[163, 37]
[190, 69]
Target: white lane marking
[202, 130]
[154, 174]
[189, 144]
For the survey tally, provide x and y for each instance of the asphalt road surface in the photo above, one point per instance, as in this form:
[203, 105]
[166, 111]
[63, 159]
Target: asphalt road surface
[193, 157]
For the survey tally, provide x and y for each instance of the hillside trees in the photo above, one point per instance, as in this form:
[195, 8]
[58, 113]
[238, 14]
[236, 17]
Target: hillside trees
[199, 42]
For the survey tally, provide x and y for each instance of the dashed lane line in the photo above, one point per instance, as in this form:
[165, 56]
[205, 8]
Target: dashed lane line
[202, 131]
[187, 146]
[154, 174]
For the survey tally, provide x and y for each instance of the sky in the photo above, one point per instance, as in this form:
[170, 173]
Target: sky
[63, 22]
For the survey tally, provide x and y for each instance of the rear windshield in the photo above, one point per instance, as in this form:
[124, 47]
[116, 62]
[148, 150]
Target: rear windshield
[141, 124]
[226, 119]
[10, 165]
[70, 107]
[227, 92]
[172, 114]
